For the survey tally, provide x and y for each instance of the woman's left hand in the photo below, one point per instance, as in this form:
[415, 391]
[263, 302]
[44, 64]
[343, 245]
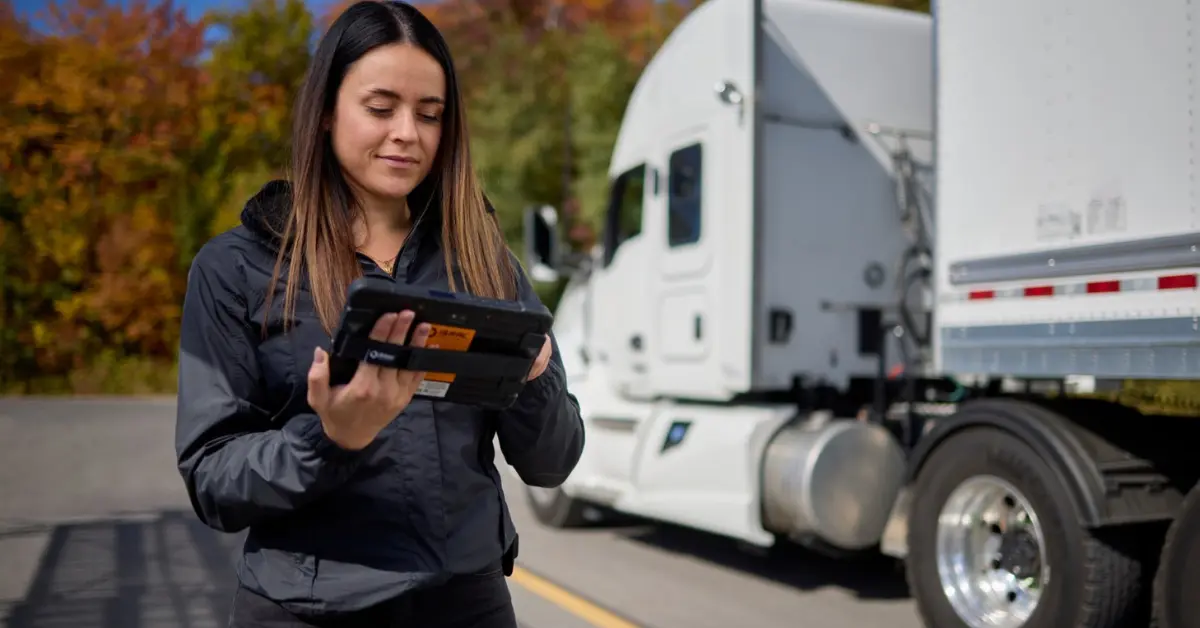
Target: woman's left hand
[543, 359]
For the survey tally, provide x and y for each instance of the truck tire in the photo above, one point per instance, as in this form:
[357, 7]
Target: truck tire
[987, 509]
[554, 508]
[1176, 604]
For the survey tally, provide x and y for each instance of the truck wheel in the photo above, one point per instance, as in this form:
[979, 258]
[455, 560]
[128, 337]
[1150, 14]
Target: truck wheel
[994, 541]
[1178, 577]
[554, 508]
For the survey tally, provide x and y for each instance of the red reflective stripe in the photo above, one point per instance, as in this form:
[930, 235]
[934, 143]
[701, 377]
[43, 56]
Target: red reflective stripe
[1103, 286]
[1176, 282]
[1039, 291]
[1108, 286]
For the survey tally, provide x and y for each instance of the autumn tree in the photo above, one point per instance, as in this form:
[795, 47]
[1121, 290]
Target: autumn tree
[252, 76]
[16, 51]
[96, 134]
[124, 149]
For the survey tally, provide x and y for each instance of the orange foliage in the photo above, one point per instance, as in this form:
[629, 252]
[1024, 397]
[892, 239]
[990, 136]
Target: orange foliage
[98, 123]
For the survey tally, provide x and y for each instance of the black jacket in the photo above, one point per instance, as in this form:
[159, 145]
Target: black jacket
[331, 529]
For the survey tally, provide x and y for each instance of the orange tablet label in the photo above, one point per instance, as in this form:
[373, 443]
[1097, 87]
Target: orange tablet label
[448, 338]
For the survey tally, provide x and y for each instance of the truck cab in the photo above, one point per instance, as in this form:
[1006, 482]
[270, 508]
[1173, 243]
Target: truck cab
[748, 251]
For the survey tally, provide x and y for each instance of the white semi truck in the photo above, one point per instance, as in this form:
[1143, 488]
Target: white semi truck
[858, 265]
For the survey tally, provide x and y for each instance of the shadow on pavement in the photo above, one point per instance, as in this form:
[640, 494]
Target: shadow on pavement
[866, 577]
[168, 572]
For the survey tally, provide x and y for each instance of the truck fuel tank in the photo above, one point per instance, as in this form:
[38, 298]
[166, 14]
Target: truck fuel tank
[831, 480]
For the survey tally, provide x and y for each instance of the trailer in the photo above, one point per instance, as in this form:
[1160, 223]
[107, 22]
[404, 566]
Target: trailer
[864, 273]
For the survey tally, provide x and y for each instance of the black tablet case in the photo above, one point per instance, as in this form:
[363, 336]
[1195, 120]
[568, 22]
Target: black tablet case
[507, 337]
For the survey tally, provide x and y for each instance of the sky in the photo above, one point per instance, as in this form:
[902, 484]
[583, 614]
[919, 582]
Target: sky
[194, 8]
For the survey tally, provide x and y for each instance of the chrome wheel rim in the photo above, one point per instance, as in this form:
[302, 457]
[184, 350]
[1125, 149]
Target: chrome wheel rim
[991, 554]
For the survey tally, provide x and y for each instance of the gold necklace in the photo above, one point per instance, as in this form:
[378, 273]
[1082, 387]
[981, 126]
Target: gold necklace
[385, 265]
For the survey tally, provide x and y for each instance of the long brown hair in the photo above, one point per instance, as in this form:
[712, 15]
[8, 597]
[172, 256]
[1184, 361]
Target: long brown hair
[318, 240]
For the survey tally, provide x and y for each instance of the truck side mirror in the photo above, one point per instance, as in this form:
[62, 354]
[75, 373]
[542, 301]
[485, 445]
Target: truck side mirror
[542, 246]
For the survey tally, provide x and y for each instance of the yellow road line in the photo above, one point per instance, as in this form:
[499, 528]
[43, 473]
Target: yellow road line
[568, 601]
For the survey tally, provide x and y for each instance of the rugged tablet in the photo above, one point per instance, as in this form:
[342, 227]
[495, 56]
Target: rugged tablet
[478, 352]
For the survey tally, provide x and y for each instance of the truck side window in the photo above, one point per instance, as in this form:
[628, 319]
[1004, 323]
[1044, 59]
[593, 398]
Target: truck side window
[624, 218]
[683, 204]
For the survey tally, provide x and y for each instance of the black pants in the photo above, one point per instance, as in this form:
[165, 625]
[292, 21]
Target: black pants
[474, 601]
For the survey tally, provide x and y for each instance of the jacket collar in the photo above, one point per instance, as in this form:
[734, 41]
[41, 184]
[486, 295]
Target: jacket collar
[266, 215]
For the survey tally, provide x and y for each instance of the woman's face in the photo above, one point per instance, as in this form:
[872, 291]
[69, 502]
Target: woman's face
[387, 122]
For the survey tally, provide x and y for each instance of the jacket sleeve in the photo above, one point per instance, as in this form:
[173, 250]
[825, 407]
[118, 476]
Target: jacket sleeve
[239, 468]
[541, 434]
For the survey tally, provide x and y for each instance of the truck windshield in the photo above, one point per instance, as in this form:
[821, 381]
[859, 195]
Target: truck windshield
[624, 218]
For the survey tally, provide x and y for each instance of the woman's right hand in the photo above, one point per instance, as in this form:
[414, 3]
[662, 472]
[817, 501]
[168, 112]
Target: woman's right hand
[354, 414]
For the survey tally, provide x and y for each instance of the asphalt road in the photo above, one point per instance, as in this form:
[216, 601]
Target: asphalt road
[95, 531]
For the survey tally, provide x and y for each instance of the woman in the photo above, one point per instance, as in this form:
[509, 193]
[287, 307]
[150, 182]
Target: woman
[365, 505]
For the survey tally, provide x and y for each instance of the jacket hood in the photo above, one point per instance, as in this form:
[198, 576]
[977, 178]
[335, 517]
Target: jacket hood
[266, 213]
